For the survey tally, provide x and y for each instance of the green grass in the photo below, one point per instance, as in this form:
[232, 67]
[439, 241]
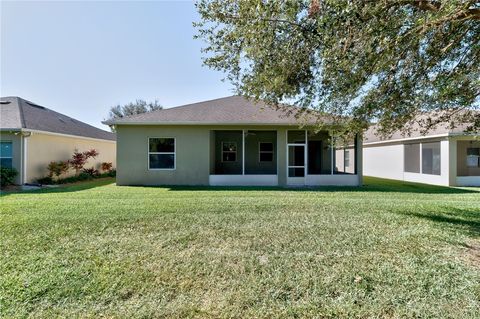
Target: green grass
[384, 250]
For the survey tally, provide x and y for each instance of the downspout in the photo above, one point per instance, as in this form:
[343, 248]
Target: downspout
[24, 176]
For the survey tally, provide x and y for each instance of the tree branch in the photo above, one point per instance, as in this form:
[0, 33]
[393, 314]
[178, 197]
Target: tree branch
[434, 6]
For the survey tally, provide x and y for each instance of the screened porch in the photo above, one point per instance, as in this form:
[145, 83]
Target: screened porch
[281, 157]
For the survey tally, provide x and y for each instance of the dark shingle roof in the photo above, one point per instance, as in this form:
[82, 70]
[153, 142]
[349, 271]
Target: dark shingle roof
[17, 113]
[225, 111]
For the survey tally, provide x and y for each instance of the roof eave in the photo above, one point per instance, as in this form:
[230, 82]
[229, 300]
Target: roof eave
[210, 123]
[415, 138]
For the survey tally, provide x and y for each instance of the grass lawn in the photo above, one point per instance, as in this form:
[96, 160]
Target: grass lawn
[384, 250]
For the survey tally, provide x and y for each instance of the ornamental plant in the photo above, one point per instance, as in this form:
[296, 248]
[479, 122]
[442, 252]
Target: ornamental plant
[58, 168]
[79, 159]
[90, 171]
[106, 166]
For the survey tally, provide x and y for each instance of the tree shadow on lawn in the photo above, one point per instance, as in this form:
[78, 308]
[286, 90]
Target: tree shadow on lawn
[465, 220]
[371, 184]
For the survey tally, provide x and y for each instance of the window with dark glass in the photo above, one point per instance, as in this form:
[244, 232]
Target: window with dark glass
[229, 152]
[266, 152]
[412, 158]
[431, 158]
[6, 154]
[161, 153]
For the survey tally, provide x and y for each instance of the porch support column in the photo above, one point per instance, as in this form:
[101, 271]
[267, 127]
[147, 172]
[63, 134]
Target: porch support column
[243, 152]
[331, 155]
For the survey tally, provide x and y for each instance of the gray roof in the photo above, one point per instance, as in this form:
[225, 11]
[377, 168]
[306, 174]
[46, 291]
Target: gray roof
[17, 114]
[370, 135]
[224, 111]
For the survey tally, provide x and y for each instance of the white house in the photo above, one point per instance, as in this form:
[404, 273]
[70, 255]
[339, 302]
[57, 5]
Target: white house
[441, 157]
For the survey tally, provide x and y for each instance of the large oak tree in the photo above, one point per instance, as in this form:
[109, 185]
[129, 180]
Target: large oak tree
[401, 63]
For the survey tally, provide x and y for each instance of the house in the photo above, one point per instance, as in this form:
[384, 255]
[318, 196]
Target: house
[32, 136]
[448, 157]
[231, 141]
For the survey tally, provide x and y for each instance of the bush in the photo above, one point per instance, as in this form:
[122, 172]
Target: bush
[106, 166]
[57, 168]
[47, 180]
[90, 171]
[78, 159]
[7, 176]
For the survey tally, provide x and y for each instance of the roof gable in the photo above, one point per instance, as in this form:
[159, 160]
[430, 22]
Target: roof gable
[17, 113]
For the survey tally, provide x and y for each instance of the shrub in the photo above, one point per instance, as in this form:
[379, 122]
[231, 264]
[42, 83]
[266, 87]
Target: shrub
[91, 153]
[78, 159]
[90, 171]
[47, 180]
[7, 176]
[106, 166]
[57, 168]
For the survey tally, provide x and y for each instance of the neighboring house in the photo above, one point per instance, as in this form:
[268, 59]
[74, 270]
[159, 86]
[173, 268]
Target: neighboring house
[32, 136]
[441, 157]
[230, 141]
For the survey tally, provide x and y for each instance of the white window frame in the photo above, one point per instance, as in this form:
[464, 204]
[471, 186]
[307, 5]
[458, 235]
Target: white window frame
[265, 152]
[305, 162]
[10, 157]
[166, 153]
[236, 152]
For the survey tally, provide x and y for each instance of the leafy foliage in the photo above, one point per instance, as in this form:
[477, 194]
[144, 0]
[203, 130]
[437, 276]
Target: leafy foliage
[106, 166]
[58, 168]
[132, 108]
[79, 159]
[91, 171]
[7, 176]
[47, 180]
[404, 64]
[83, 176]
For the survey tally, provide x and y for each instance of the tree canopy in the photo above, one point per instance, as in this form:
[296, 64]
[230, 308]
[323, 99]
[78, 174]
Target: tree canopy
[398, 63]
[132, 108]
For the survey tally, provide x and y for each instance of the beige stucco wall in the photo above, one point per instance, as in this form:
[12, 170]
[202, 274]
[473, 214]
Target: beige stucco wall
[42, 148]
[16, 139]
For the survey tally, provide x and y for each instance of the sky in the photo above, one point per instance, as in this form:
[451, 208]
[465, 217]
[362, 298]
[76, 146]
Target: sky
[81, 58]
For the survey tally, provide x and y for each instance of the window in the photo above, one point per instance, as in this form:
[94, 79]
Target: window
[229, 152]
[161, 153]
[431, 158]
[6, 154]
[412, 158]
[346, 158]
[473, 157]
[265, 152]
